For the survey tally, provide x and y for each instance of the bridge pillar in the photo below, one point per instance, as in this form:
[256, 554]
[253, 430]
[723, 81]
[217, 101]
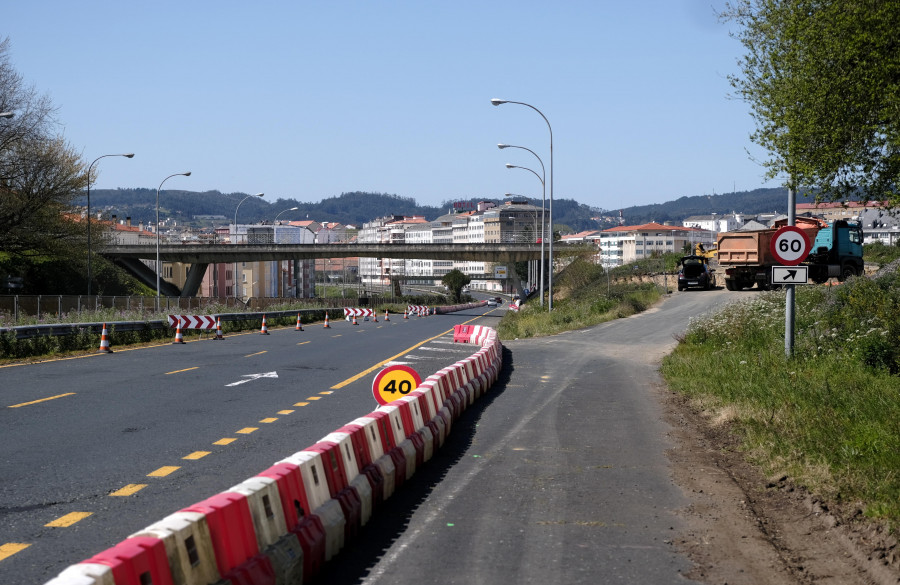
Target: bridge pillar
[194, 279]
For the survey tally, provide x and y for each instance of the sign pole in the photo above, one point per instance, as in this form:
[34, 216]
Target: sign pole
[789, 299]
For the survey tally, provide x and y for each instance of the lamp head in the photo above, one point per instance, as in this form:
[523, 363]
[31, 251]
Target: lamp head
[7, 114]
[187, 174]
[509, 166]
[497, 101]
[129, 155]
[502, 146]
[259, 194]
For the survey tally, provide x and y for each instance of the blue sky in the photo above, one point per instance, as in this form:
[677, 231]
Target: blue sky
[307, 100]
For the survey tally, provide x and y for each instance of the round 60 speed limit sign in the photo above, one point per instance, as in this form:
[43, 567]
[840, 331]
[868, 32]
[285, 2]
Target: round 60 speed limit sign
[394, 382]
[790, 245]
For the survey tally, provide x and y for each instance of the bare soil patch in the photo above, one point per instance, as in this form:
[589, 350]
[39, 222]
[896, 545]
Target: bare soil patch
[744, 528]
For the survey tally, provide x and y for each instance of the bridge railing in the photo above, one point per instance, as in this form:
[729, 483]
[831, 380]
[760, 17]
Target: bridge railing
[126, 239]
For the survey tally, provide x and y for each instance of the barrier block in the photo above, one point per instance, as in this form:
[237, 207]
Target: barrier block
[311, 534]
[230, 528]
[294, 503]
[383, 423]
[189, 547]
[136, 561]
[256, 570]
[362, 485]
[286, 557]
[350, 449]
[372, 435]
[265, 509]
[84, 574]
[461, 333]
[332, 464]
[343, 444]
[332, 517]
[312, 470]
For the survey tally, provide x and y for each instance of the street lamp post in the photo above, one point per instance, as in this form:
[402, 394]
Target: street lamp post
[187, 174]
[235, 237]
[90, 167]
[280, 212]
[543, 179]
[498, 102]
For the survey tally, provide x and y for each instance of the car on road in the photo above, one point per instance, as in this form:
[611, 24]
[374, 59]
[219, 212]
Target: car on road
[695, 273]
[492, 302]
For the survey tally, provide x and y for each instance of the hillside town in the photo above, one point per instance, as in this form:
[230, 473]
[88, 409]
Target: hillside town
[486, 222]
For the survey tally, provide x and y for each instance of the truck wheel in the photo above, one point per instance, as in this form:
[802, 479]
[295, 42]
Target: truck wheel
[729, 284]
[846, 272]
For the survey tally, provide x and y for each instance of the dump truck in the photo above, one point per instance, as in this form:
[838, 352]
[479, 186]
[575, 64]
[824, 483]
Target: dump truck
[745, 257]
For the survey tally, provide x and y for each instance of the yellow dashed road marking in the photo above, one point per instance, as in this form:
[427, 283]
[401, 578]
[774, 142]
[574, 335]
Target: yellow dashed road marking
[184, 370]
[314, 398]
[11, 548]
[197, 455]
[268, 420]
[129, 490]
[68, 519]
[226, 441]
[303, 343]
[247, 430]
[163, 471]
[285, 412]
[326, 392]
[301, 404]
[41, 400]
[257, 353]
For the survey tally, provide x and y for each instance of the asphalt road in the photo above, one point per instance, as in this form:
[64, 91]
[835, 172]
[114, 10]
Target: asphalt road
[95, 448]
[557, 475]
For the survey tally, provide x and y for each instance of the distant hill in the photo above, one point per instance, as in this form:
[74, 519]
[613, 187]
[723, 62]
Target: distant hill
[357, 208]
[746, 202]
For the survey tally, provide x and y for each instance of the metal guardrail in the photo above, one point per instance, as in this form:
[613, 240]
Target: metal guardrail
[59, 329]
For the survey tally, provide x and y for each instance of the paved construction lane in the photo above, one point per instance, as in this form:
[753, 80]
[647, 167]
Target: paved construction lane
[558, 475]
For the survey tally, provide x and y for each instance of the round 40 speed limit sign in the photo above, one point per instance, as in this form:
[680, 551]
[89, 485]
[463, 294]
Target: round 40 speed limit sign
[790, 245]
[394, 382]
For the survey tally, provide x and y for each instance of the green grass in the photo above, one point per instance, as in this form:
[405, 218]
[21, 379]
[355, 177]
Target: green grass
[829, 416]
[582, 297]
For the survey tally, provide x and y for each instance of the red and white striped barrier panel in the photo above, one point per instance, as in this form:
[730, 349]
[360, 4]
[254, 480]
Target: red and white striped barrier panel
[281, 525]
[352, 312]
[193, 321]
[418, 309]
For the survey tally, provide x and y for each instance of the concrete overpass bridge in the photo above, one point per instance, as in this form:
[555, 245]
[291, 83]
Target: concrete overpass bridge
[199, 256]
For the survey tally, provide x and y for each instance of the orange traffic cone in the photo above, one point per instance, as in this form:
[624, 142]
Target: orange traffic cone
[104, 341]
[386, 318]
[299, 326]
[374, 317]
[354, 320]
[406, 313]
[264, 330]
[327, 326]
[179, 338]
[219, 329]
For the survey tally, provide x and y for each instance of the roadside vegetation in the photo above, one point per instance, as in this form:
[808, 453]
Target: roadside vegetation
[584, 295]
[827, 418]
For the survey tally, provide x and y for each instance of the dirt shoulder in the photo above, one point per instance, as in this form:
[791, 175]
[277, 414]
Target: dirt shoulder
[744, 528]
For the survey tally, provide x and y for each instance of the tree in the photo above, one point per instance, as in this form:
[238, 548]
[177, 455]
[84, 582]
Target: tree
[823, 81]
[40, 174]
[455, 280]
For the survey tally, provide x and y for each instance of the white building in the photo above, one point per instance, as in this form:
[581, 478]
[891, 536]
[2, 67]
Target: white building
[624, 244]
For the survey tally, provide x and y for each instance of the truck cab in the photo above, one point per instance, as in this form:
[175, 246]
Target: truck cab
[839, 246]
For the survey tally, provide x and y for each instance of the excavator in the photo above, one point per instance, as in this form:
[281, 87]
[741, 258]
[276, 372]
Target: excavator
[700, 250]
